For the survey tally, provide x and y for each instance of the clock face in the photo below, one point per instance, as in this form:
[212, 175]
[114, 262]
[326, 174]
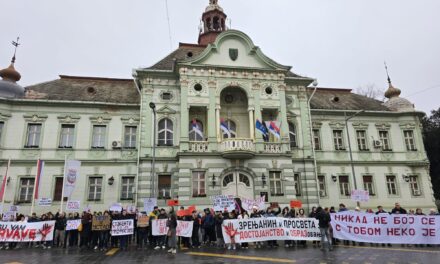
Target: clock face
[229, 98]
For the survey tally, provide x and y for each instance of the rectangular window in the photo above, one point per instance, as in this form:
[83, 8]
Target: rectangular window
[66, 136]
[409, 140]
[297, 179]
[98, 136]
[164, 186]
[198, 179]
[337, 140]
[316, 139]
[368, 184]
[385, 140]
[127, 188]
[26, 190]
[361, 136]
[276, 188]
[33, 136]
[130, 137]
[2, 124]
[391, 185]
[344, 185]
[322, 188]
[58, 189]
[414, 185]
[95, 188]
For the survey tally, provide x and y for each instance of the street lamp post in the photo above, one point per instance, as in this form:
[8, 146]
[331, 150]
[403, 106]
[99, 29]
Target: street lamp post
[349, 148]
[153, 162]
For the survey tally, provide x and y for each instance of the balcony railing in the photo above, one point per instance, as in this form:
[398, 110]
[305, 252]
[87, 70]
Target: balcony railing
[273, 147]
[198, 146]
[237, 144]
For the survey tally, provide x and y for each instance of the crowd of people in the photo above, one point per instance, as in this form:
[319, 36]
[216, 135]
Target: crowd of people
[207, 228]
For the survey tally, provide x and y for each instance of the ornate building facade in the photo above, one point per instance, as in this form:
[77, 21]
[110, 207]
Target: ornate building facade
[174, 113]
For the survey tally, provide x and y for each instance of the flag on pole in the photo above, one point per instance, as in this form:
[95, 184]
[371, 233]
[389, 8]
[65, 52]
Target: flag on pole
[225, 128]
[274, 128]
[262, 129]
[196, 129]
[4, 182]
[40, 167]
[71, 175]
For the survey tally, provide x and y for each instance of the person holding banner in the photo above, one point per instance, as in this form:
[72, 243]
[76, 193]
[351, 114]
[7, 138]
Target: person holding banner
[324, 225]
[160, 240]
[60, 228]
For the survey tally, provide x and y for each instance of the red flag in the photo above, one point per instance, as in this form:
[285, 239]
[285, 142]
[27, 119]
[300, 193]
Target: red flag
[40, 166]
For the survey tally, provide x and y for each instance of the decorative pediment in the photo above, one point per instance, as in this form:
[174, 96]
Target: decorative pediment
[316, 125]
[166, 110]
[383, 126]
[360, 125]
[337, 125]
[100, 119]
[35, 117]
[233, 48]
[68, 119]
[130, 120]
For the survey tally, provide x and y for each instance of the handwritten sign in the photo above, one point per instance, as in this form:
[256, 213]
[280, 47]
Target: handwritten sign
[149, 204]
[73, 224]
[101, 223]
[45, 202]
[360, 195]
[73, 206]
[222, 202]
[122, 227]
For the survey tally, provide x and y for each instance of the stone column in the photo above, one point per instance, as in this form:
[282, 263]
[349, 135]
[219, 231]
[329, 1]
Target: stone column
[251, 124]
[217, 125]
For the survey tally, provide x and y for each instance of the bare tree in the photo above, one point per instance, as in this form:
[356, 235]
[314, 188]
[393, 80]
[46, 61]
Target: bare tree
[370, 90]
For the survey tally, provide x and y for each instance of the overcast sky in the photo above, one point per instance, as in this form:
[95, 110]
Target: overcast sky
[342, 43]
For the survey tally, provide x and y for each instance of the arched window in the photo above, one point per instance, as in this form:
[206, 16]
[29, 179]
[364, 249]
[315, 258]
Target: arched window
[165, 132]
[196, 132]
[228, 179]
[292, 135]
[232, 128]
[244, 179]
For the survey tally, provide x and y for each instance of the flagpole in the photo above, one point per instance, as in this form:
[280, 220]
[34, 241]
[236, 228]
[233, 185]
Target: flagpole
[35, 187]
[5, 183]
[64, 177]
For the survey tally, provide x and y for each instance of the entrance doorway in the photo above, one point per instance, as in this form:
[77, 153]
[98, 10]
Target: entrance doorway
[238, 184]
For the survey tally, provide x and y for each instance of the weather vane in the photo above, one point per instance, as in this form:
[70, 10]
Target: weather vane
[16, 44]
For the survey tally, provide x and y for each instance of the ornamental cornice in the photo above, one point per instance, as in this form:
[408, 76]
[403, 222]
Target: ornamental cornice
[101, 119]
[35, 117]
[408, 125]
[69, 119]
[130, 120]
[360, 125]
[231, 73]
[383, 125]
[4, 116]
[337, 125]
[316, 125]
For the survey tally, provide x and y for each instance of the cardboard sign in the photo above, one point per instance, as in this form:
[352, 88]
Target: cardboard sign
[173, 202]
[143, 221]
[149, 204]
[101, 223]
[73, 224]
[73, 206]
[45, 202]
[295, 204]
[122, 227]
[116, 207]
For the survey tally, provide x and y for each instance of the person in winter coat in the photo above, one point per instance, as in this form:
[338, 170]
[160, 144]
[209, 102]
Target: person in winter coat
[256, 214]
[172, 236]
[60, 227]
[160, 240]
[324, 225]
[195, 233]
[209, 226]
[219, 218]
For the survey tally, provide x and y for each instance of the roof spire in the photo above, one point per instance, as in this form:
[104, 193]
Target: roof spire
[16, 44]
[391, 91]
[213, 23]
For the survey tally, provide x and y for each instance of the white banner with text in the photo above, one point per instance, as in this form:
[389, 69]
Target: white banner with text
[184, 228]
[26, 232]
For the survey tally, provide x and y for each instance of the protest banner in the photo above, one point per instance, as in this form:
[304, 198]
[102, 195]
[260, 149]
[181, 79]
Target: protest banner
[149, 204]
[122, 227]
[45, 202]
[116, 207]
[222, 202]
[248, 204]
[71, 175]
[26, 232]
[13, 208]
[272, 228]
[295, 204]
[101, 223]
[360, 195]
[184, 228]
[143, 221]
[73, 224]
[385, 228]
[73, 205]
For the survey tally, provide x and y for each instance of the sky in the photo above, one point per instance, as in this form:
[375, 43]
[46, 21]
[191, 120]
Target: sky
[341, 43]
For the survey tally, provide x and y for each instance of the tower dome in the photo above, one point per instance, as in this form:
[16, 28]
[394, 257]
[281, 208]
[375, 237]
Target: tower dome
[10, 76]
[396, 103]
